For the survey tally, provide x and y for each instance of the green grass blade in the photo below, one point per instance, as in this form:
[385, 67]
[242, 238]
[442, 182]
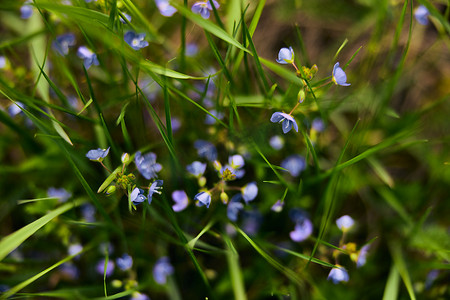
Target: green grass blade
[392, 283]
[400, 265]
[235, 270]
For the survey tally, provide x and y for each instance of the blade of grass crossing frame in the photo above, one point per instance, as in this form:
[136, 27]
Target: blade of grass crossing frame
[218, 56]
[15, 239]
[392, 283]
[305, 56]
[237, 280]
[329, 196]
[340, 49]
[400, 265]
[167, 111]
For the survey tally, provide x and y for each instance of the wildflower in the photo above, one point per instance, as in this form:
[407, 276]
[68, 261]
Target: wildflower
[203, 198]
[196, 168]
[97, 154]
[206, 149]
[338, 274]
[69, 271]
[181, 200]
[162, 269]
[191, 49]
[295, 164]
[297, 215]
[286, 56]
[87, 56]
[421, 14]
[101, 268]
[127, 16]
[125, 262]
[15, 108]
[74, 249]
[276, 142]
[339, 77]
[88, 212]
[203, 8]
[147, 164]
[362, 256]
[210, 120]
[137, 196]
[135, 40]
[61, 194]
[2, 62]
[165, 8]
[26, 10]
[62, 43]
[318, 125]
[431, 277]
[176, 124]
[154, 188]
[345, 223]
[252, 222]
[139, 296]
[278, 206]
[235, 164]
[234, 207]
[287, 119]
[249, 192]
[302, 231]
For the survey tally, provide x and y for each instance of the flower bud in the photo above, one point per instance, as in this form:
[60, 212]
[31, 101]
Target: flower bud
[116, 283]
[301, 96]
[224, 197]
[111, 189]
[202, 181]
[125, 158]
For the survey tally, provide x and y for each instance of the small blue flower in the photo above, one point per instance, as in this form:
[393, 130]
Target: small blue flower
[181, 200]
[154, 188]
[362, 256]
[295, 164]
[210, 120]
[15, 109]
[206, 149]
[338, 274]
[338, 76]
[251, 222]
[135, 40]
[431, 277]
[236, 161]
[137, 196]
[249, 192]
[302, 230]
[88, 212]
[139, 296]
[288, 121]
[234, 207]
[97, 154]
[147, 164]
[89, 58]
[69, 270]
[26, 10]
[203, 8]
[61, 194]
[2, 62]
[191, 49]
[421, 14]
[286, 56]
[345, 223]
[125, 262]
[127, 17]
[165, 8]
[318, 125]
[101, 268]
[62, 43]
[276, 142]
[162, 269]
[196, 168]
[74, 249]
[203, 198]
[278, 206]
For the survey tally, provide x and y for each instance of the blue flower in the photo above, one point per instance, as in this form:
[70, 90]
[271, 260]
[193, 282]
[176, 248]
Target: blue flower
[127, 16]
[318, 125]
[203, 8]
[97, 154]
[276, 142]
[339, 77]
[234, 207]
[154, 188]
[196, 168]
[125, 262]
[63, 42]
[101, 268]
[191, 49]
[345, 223]
[278, 206]
[137, 196]
[210, 120]
[203, 198]
[252, 222]
[69, 270]
[302, 231]
[88, 212]
[2, 62]
[139, 296]
[206, 149]
[362, 256]
[421, 14]
[249, 192]
[286, 56]
[89, 58]
[338, 274]
[26, 10]
[147, 164]
[165, 8]
[135, 40]
[288, 121]
[295, 164]
[74, 249]
[181, 200]
[162, 269]
[60, 194]
[15, 108]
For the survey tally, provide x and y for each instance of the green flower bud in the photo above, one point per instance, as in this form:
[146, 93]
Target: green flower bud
[301, 96]
[224, 197]
[116, 283]
[111, 189]
[125, 158]
[202, 181]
